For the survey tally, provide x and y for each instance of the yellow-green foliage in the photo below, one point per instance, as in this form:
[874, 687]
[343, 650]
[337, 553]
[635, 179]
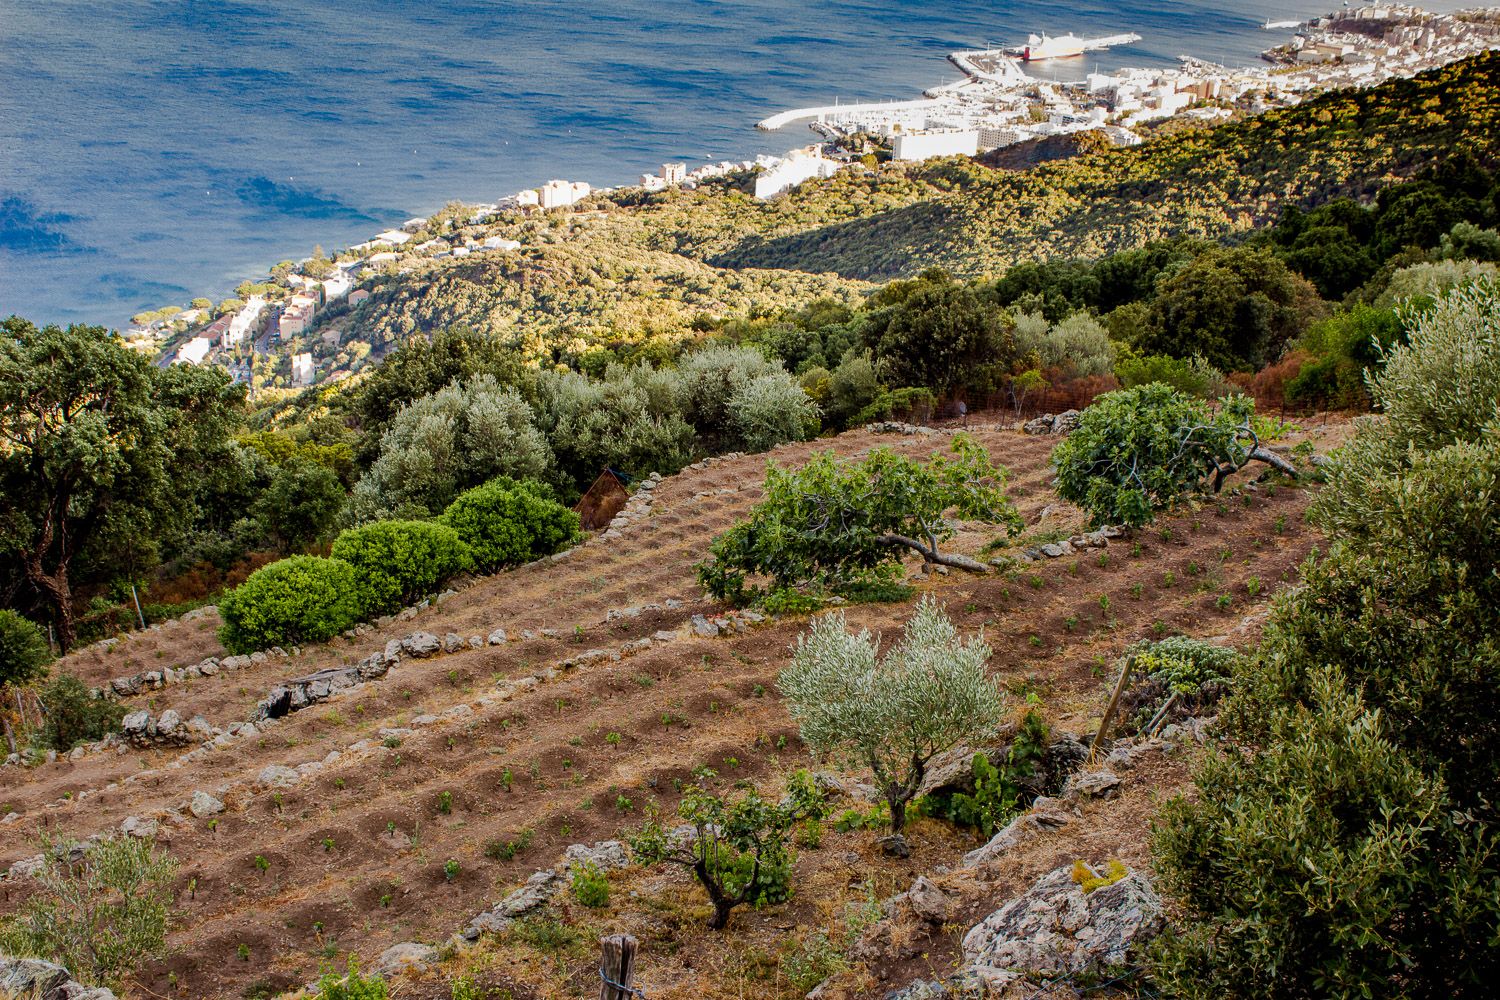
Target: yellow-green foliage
[1089, 880]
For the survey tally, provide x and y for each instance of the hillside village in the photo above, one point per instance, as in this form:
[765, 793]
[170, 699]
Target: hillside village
[278, 335]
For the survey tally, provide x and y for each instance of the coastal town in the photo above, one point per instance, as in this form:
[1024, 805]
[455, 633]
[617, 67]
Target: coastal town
[276, 333]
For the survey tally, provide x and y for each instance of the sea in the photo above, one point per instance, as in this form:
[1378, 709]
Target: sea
[151, 152]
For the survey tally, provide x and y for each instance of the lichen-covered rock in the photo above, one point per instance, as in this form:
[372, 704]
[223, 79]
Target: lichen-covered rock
[411, 955]
[35, 979]
[1056, 928]
[421, 645]
[204, 805]
[277, 776]
[1092, 785]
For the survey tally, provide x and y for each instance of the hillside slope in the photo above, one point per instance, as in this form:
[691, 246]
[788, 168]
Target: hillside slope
[349, 858]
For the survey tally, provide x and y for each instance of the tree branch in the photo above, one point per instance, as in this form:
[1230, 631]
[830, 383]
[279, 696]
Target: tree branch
[932, 555]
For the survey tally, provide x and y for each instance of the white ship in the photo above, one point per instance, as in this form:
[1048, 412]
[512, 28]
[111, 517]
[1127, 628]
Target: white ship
[1044, 46]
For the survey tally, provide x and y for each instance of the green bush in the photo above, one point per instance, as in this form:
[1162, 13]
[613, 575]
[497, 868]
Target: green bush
[73, 716]
[100, 909]
[998, 791]
[399, 561]
[296, 600]
[1138, 451]
[832, 524]
[590, 886]
[1347, 845]
[505, 523]
[351, 985]
[24, 653]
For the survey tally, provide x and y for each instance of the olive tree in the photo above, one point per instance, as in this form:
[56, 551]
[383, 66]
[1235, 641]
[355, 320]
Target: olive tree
[1137, 451]
[24, 653]
[891, 713]
[100, 909]
[831, 523]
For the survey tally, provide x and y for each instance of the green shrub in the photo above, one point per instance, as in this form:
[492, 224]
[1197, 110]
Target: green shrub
[1138, 451]
[998, 791]
[73, 716]
[296, 600]
[1347, 845]
[590, 886]
[505, 524]
[739, 850]
[351, 985]
[1193, 376]
[830, 524]
[24, 653]
[399, 561]
[100, 910]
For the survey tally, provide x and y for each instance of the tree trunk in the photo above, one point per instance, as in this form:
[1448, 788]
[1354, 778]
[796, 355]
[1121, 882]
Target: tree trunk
[55, 589]
[1275, 461]
[722, 903]
[932, 555]
[898, 810]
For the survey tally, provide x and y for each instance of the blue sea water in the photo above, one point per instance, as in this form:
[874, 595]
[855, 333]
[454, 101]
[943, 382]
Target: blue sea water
[155, 151]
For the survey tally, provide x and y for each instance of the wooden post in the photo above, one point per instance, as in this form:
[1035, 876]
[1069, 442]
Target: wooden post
[616, 967]
[1109, 713]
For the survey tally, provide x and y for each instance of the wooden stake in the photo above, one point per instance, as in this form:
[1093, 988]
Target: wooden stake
[616, 967]
[1109, 713]
[135, 597]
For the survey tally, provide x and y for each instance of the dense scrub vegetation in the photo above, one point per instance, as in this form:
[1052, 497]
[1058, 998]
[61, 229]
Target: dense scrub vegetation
[1350, 849]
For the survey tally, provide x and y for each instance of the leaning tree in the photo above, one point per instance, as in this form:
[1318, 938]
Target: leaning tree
[830, 524]
[1137, 451]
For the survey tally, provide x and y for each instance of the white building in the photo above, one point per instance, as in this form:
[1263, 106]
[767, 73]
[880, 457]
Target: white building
[302, 369]
[500, 243]
[673, 173]
[244, 322]
[786, 174]
[561, 194]
[924, 145]
[194, 351]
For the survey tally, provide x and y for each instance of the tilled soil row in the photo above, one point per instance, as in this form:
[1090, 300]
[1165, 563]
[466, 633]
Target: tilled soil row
[352, 858]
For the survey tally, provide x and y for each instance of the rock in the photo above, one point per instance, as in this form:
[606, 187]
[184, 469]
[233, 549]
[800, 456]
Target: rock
[421, 645]
[497, 637]
[135, 723]
[1052, 550]
[606, 854]
[1066, 422]
[536, 893]
[925, 901]
[142, 829]
[1038, 425]
[205, 805]
[1056, 928]
[406, 955]
[167, 723]
[35, 979]
[1093, 785]
[452, 642]
[277, 776]
[894, 846]
[1021, 829]
[393, 650]
[703, 627]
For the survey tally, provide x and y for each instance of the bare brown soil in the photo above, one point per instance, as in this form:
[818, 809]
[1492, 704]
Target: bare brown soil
[353, 857]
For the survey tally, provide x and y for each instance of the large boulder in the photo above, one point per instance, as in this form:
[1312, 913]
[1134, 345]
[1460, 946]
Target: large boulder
[421, 645]
[1057, 928]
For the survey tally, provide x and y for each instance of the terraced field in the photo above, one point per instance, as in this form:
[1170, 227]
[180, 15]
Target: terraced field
[350, 858]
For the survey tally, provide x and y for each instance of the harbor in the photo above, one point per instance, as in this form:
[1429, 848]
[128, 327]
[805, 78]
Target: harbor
[998, 103]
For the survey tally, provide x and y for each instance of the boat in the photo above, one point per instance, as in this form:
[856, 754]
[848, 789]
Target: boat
[1273, 25]
[1044, 47]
